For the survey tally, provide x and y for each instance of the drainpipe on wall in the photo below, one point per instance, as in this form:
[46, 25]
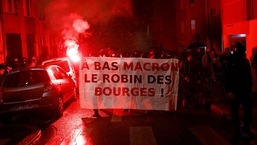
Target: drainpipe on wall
[209, 37]
[2, 42]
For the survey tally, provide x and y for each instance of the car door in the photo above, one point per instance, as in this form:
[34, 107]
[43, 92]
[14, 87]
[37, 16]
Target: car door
[63, 81]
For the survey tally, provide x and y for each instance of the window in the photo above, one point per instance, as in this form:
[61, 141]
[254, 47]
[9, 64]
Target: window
[193, 26]
[41, 12]
[10, 6]
[27, 7]
[182, 24]
[213, 12]
[249, 9]
[25, 78]
[62, 63]
[255, 10]
[58, 73]
[181, 4]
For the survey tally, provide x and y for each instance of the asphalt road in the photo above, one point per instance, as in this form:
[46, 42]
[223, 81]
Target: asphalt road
[194, 126]
[137, 127]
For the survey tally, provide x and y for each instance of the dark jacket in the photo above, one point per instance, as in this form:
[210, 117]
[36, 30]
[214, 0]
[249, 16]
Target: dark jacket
[239, 79]
[191, 70]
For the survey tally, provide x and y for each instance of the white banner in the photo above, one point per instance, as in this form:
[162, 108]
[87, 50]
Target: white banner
[128, 83]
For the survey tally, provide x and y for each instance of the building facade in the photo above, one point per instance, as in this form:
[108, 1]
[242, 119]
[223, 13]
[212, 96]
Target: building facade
[23, 33]
[169, 24]
[198, 20]
[239, 24]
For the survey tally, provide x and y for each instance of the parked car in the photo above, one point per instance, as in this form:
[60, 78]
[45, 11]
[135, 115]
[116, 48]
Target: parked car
[36, 88]
[66, 64]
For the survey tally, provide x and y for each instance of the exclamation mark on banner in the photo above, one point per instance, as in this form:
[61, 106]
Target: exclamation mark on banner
[162, 92]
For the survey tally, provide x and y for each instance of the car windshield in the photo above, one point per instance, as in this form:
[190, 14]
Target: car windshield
[25, 78]
[61, 63]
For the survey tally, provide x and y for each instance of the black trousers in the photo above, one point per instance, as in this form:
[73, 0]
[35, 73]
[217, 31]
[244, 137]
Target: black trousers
[96, 112]
[244, 99]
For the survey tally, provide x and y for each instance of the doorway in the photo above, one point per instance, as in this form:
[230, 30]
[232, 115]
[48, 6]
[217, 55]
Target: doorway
[13, 45]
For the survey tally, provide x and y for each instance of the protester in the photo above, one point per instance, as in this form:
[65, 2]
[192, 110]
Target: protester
[225, 59]
[208, 70]
[24, 62]
[239, 90]
[215, 63]
[33, 62]
[151, 54]
[190, 76]
[16, 63]
[109, 52]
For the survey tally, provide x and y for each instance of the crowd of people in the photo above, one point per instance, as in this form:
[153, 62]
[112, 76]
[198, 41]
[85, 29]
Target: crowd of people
[16, 63]
[199, 69]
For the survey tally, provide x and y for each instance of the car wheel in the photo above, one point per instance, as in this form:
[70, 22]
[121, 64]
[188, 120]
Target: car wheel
[59, 107]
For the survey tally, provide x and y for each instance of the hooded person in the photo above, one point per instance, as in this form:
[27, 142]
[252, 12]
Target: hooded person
[239, 91]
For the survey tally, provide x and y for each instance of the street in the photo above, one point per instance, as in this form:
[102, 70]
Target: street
[132, 127]
[197, 59]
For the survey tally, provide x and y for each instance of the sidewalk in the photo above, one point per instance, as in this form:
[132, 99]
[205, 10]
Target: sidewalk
[18, 134]
[221, 107]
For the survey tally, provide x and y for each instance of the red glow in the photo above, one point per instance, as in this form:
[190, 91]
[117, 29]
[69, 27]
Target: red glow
[80, 25]
[72, 50]
[81, 140]
[71, 36]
